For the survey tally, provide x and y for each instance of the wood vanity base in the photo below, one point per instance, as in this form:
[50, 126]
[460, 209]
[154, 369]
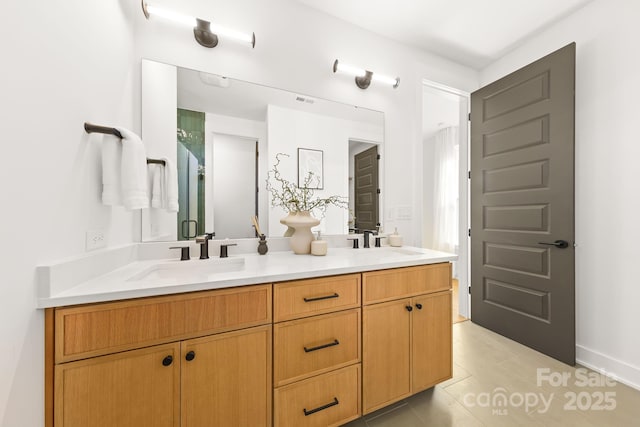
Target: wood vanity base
[314, 352]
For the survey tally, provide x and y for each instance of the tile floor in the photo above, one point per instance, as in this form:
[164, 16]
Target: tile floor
[488, 367]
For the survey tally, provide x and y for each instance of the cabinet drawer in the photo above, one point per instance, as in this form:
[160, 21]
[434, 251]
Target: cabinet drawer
[96, 329]
[302, 298]
[331, 399]
[386, 285]
[315, 345]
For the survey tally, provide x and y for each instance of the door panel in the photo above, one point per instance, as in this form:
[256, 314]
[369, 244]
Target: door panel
[385, 342]
[522, 195]
[366, 189]
[226, 379]
[431, 340]
[138, 388]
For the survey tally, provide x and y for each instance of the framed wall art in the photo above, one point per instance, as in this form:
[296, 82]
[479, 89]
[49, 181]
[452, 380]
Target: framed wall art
[310, 168]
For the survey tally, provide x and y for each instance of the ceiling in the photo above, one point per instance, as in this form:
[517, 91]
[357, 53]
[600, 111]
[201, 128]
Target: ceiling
[470, 32]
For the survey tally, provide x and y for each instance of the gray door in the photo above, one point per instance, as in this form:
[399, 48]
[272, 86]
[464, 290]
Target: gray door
[522, 202]
[366, 189]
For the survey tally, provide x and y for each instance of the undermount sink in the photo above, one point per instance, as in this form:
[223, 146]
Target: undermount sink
[189, 270]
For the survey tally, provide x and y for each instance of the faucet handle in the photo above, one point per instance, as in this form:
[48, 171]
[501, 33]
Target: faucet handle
[184, 253]
[205, 237]
[224, 252]
[355, 242]
[378, 238]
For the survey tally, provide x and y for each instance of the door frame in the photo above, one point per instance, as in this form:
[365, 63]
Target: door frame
[464, 213]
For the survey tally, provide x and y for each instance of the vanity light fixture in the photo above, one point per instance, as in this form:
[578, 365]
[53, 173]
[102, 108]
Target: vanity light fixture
[205, 33]
[364, 77]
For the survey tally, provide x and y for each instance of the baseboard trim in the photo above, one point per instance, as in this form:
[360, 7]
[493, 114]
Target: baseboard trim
[622, 372]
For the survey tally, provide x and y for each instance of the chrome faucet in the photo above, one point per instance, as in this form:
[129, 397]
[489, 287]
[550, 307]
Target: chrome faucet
[204, 244]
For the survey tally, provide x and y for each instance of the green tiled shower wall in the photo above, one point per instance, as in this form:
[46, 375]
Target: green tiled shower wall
[190, 132]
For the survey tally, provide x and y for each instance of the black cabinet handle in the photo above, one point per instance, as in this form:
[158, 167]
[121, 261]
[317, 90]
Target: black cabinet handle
[321, 408]
[409, 308]
[562, 244]
[190, 356]
[167, 361]
[419, 306]
[335, 295]
[320, 347]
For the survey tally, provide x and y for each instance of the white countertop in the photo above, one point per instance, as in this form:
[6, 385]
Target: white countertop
[169, 276]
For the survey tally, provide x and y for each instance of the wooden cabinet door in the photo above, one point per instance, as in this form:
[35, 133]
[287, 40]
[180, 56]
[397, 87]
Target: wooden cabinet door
[226, 379]
[135, 388]
[386, 374]
[431, 348]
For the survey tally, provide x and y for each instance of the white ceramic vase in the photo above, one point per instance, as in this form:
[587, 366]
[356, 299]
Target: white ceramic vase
[301, 239]
[285, 221]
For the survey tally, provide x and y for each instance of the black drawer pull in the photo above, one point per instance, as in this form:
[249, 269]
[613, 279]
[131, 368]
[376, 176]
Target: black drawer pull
[167, 360]
[190, 356]
[321, 408]
[335, 295]
[320, 347]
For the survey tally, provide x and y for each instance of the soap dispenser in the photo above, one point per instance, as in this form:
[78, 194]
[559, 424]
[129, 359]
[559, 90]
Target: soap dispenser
[319, 246]
[395, 239]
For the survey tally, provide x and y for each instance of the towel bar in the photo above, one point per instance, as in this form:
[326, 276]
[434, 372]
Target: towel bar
[91, 128]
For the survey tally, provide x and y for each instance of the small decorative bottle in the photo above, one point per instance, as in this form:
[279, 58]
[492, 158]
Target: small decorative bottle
[262, 245]
[318, 246]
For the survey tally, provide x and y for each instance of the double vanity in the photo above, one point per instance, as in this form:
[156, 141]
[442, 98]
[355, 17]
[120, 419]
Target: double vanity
[247, 340]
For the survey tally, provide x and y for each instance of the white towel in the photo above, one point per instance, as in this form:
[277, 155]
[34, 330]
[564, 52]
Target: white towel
[170, 186]
[133, 171]
[111, 158]
[164, 186]
[157, 187]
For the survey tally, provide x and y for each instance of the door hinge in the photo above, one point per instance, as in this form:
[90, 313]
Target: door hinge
[378, 191]
[469, 290]
[469, 116]
[469, 174]
[469, 232]
[378, 156]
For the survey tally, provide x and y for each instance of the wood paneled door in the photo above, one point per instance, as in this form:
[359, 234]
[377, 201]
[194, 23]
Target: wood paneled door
[522, 205]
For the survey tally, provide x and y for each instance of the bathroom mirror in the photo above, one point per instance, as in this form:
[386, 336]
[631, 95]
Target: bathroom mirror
[223, 136]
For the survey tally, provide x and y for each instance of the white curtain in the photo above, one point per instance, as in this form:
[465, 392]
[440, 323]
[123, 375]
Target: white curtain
[446, 190]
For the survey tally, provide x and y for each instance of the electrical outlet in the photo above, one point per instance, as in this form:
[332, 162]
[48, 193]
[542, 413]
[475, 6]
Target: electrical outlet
[96, 239]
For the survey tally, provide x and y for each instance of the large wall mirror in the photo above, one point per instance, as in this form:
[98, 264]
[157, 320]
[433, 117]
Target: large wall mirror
[223, 136]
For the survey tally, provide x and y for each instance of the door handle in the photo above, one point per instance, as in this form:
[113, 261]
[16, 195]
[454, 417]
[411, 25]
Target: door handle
[562, 244]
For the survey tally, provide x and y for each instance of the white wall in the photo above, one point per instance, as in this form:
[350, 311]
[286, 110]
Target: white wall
[75, 61]
[158, 131]
[64, 63]
[234, 186]
[606, 33]
[289, 130]
[215, 123]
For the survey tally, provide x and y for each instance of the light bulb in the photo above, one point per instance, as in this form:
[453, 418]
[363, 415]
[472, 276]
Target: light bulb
[232, 34]
[350, 69]
[385, 79]
[189, 21]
